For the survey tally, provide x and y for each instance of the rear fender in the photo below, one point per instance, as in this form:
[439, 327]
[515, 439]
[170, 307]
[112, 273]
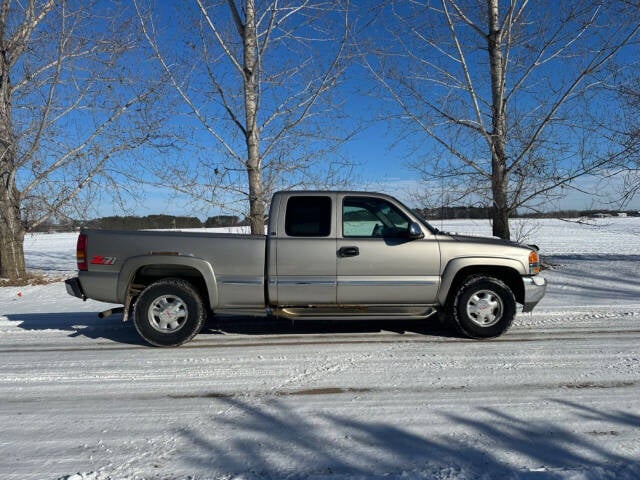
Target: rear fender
[133, 264]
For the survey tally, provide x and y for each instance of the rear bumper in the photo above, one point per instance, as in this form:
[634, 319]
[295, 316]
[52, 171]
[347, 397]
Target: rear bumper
[534, 288]
[74, 288]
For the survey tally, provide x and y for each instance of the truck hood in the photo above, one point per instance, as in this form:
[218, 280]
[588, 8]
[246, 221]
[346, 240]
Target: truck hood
[487, 241]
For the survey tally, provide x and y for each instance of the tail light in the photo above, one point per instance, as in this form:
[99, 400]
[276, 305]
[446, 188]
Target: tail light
[81, 252]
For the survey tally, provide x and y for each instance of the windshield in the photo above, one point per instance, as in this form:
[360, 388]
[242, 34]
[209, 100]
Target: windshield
[430, 227]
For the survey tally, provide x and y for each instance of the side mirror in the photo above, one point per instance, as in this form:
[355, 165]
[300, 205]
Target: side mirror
[415, 232]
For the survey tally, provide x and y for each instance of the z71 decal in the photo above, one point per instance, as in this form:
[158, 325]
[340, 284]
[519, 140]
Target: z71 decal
[100, 260]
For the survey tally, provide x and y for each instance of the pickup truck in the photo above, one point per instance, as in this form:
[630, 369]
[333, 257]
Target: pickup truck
[326, 255]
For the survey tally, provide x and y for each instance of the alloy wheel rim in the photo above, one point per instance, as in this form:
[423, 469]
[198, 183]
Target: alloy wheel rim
[168, 314]
[485, 308]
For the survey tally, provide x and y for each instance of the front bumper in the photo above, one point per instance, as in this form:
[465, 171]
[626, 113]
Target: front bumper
[74, 288]
[534, 288]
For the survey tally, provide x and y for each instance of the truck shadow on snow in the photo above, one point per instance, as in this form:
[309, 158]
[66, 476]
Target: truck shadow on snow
[248, 325]
[88, 325]
[80, 324]
[277, 438]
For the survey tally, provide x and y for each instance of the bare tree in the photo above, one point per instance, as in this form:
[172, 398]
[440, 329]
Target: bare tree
[258, 78]
[505, 91]
[67, 107]
[624, 129]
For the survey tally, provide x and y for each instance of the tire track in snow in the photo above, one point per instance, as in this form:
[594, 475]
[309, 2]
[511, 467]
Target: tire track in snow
[522, 332]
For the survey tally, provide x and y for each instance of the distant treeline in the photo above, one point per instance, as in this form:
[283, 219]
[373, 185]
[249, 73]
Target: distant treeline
[143, 223]
[448, 213]
[169, 221]
[451, 213]
[581, 213]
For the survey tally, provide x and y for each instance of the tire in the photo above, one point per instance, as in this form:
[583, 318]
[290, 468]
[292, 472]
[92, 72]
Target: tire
[484, 307]
[168, 313]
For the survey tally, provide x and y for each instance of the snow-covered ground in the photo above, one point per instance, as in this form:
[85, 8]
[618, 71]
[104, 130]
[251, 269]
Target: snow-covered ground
[557, 397]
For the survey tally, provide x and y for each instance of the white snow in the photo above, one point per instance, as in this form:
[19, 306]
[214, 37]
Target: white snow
[557, 397]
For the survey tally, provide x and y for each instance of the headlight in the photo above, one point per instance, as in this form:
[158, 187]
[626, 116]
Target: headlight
[534, 263]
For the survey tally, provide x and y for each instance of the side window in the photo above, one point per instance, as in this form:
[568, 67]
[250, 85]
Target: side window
[372, 217]
[308, 217]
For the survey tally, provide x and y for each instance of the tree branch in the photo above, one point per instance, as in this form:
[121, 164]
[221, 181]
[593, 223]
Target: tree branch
[72, 153]
[18, 43]
[183, 94]
[219, 38]
[467, 76]
[400, 101]
[236, 17]
[595, 63]
[328, 78]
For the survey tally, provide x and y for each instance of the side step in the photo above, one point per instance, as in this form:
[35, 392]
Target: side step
[355, 313]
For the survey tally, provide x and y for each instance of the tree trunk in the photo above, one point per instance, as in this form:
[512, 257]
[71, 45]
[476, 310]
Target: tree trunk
[498, 140]
[12, 264]
[11, 229]
[500, 211]
[251, 82]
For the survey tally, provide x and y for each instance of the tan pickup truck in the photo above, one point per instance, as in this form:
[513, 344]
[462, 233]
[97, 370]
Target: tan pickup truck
[326, 255]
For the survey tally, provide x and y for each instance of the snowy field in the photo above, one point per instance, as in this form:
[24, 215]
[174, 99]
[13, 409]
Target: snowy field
[557, 397]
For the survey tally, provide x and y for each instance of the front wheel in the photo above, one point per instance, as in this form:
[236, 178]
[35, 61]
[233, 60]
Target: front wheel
[168, 313]
[484, 307]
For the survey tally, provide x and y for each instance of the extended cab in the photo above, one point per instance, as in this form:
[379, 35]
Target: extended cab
[326, 255]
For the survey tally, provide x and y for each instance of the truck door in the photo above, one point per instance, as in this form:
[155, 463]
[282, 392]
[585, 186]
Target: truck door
[305, 263]
[378, 264]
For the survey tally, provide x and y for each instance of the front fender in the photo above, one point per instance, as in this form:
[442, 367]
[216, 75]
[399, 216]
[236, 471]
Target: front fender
[133, 264]
[457, 264]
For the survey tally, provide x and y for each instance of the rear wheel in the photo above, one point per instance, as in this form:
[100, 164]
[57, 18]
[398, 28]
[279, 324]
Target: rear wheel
[484, 307]
[169, 312]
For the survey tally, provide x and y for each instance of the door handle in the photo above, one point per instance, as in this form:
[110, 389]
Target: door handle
[348, 252]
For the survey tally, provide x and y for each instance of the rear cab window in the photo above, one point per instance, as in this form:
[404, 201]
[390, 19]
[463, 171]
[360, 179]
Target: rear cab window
[308, 216]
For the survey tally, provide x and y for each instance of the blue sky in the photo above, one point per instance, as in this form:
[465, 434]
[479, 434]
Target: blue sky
[381, 151]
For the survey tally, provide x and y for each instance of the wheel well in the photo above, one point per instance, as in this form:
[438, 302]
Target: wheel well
[148, 274]
[508, 275]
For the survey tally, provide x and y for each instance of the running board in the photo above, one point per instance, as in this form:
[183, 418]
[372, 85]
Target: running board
[355, 313]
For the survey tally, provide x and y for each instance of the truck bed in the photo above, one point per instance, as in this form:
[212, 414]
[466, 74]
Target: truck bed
[238, 262]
